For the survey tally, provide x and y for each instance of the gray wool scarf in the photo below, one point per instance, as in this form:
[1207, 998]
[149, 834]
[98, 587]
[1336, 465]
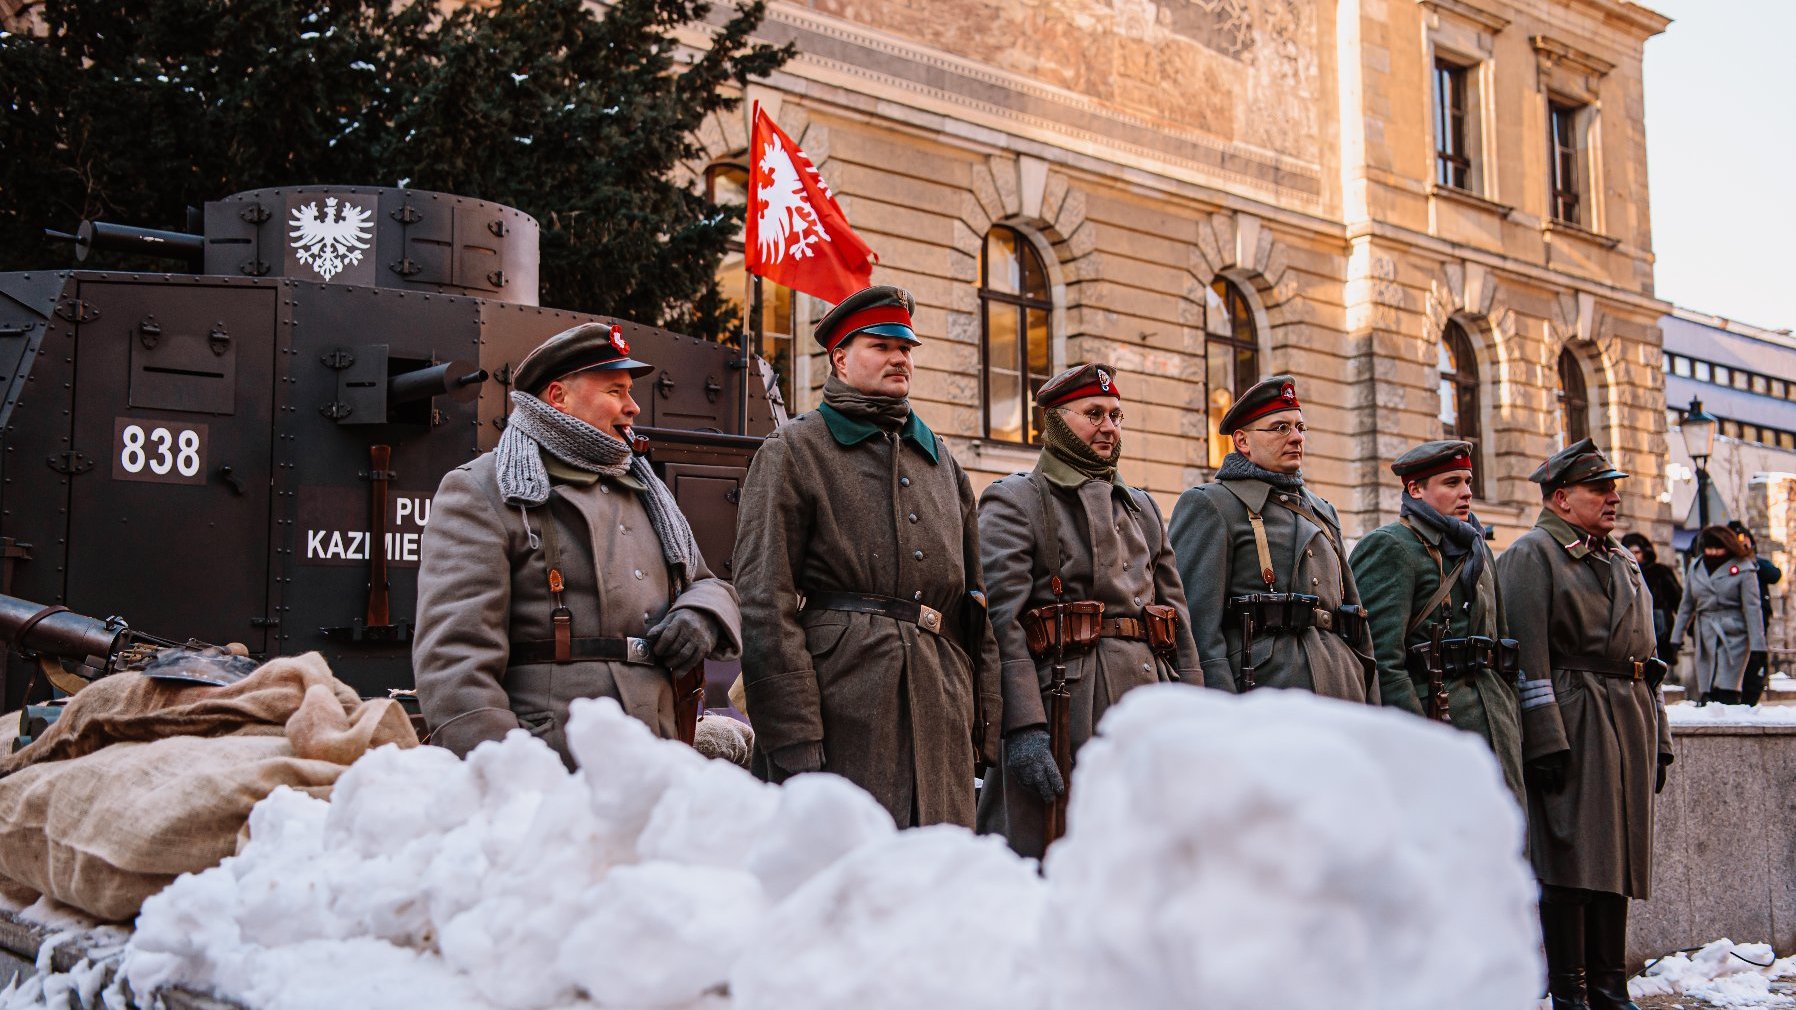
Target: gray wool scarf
[1238, 467]
[524, 479]
[1459, 538]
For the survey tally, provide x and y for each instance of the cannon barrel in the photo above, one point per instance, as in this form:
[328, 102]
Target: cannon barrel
[458, 380]
[26, 625]
[126, 238]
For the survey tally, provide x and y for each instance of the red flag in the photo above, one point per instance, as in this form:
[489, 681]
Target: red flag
[797, 236]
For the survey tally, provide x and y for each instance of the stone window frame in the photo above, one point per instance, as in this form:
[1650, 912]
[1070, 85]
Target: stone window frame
[1050, 308]
[1572, 407]
[1462, 34]
[1241, 283]
[1569, 78]
[1467, 357]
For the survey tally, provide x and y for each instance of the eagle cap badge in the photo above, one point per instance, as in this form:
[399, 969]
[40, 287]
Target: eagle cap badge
[1288, 393]
[618, 343]
[1103, 380]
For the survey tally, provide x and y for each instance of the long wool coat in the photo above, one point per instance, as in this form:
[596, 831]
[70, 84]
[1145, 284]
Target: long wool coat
[1217, 559]
[1396, 577]
[481, 586]
[835, 505]
[1720, 615]
[1568, 601]
[1113, 548]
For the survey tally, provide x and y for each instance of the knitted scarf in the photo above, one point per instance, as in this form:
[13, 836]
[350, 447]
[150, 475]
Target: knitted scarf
[888, 412]
[1238, 467]
[1459, 537]
[1072, 450]
[524, 479]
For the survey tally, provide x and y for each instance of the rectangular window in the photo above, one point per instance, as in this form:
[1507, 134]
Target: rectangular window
[1702, 372]
[1680, 365]
[1723, 377]
[1760, 384]
[1739, 380]
[1786, 440]
[1567, 179]
[1453, 124]
[1780, 389]
[1730, 428]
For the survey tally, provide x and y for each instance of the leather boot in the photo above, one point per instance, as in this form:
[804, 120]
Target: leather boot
[1562, 933]
[1606, 952]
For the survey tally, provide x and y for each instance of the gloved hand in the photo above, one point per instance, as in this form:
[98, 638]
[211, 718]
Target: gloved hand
[1664, 763]
[1547, 772]
[682, 639]
[796, 759]
[1029, 755]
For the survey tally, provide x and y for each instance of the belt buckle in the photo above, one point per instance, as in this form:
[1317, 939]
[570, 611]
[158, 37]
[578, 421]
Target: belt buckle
[1325, 619]
[636, 650]
[1639, 670]
[929, 619]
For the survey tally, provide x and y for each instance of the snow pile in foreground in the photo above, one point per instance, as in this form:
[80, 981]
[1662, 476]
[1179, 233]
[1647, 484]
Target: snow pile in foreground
[1277, 850]
[1722, 973]
[1715, 714]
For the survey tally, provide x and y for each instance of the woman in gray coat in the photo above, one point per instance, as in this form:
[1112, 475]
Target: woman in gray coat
[1720, 611]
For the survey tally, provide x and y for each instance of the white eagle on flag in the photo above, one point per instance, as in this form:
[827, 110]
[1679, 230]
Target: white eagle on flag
[786, 222]
[331, 239]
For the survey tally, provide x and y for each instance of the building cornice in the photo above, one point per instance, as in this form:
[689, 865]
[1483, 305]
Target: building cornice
[1642, 20]
[1550, 50]
[1488, 20]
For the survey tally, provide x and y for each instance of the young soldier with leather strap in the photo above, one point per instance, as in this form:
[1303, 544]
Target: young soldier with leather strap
[1085, 601]
[1273, 603]
[559, 566]
[867, 650]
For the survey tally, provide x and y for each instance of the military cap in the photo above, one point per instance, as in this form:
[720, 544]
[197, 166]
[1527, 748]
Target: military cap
[1578, 463]
[588, 347]
[1268, 396]
[1090, 379]
[884, 311]
[1430, 458]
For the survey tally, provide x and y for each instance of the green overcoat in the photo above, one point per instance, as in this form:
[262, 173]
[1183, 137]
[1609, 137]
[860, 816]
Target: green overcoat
[1573, 603]
[832, 504]
[1399, 568]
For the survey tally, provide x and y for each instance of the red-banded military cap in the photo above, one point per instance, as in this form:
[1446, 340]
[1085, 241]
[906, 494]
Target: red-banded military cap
[1430, 458]
[1090, 379]
[588, 347]
[883, 310]
[1268, 396]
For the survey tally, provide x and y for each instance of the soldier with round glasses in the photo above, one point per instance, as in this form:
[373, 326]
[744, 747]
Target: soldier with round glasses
[1272, 600]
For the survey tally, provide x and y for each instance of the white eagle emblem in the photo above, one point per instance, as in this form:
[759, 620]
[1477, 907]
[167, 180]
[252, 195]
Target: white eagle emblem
[331, 239]
[1103, 380]
[786, 222]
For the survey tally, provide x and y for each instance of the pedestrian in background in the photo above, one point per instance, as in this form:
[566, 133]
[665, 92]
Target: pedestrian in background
[1720, 612]
[1662, 583]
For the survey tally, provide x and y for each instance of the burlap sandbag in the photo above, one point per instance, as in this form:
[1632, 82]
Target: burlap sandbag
[142, 780]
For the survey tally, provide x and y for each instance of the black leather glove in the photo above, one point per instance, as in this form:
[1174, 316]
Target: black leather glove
[1029, 755]
[796, 759]
[1547, 772]
[683, 639]
[1659, 782]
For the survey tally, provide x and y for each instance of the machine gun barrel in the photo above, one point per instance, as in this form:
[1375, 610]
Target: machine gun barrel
[59, 632]
[108, 237]
[458, 380]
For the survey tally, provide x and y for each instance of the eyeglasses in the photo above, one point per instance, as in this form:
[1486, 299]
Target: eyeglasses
[1283, 429]
[1097, 415]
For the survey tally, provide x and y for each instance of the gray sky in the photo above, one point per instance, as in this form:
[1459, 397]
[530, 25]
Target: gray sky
[1721, 157]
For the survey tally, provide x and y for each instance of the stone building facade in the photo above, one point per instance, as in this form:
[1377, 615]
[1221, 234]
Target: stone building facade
[1433, 212]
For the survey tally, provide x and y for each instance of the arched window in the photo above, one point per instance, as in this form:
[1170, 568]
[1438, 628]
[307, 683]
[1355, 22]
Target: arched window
[726, 183]
[1574, 399]
[1015, 305]
[1231, 354]
[1459, 395]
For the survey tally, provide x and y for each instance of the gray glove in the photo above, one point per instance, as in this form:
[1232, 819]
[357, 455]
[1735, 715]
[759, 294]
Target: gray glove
[682, 639]
[795, 759]
[1029, 755]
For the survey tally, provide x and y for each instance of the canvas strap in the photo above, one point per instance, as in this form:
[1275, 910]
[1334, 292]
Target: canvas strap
[1260, 545]
[1442, 591]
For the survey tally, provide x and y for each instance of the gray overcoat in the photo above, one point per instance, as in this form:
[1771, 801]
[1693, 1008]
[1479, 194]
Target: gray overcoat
[1720, 614]
[1567, 602]
[1113, 548]
[481, 586]
[832, 504]
[1217, 559]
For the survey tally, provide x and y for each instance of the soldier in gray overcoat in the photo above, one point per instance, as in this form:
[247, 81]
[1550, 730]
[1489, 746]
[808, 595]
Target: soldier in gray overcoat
[1260, 555]
[867, 649]
[1721, 614]
[1581, 607]
[559, 567]
[1072, 517]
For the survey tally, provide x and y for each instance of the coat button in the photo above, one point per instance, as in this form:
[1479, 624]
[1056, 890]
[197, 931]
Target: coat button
[604, 490]
[904, 482]
[918, 595]
[1125, 566]
[1147, 668]
[917, 554]
[637, 573]
[621, 528]
[1309, 553]
[912, 517]
[1315, 582]
[1137, 600]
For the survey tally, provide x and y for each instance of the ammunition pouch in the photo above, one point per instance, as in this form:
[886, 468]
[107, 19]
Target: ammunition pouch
[1463, 657]
[1162, 621]
[1083, 621]
[1284, 613]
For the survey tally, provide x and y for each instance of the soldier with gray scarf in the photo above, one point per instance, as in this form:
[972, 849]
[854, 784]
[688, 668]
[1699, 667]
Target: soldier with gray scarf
[868, 651]
[559, 566]
[1273, 603]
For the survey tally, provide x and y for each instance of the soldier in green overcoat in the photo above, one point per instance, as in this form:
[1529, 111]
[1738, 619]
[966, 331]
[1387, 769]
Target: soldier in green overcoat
[1432, 567]
[1586, 619]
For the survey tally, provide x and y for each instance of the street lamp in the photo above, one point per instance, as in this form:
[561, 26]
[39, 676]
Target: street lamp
[1699, 441]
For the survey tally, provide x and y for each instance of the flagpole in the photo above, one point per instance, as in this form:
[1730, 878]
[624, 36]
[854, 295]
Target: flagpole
[752, 330]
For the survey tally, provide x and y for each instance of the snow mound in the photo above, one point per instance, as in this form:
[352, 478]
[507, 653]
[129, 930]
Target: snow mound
[1723, 973]
[1686, 713]
[1281, 849]
[1277, 850]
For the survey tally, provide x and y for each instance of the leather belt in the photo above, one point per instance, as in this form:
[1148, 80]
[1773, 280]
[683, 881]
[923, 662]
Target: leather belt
[1603, 666]
[1462, 657]
[909, 611]
[1123, 627]
[1287, 612]
[615, 650]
